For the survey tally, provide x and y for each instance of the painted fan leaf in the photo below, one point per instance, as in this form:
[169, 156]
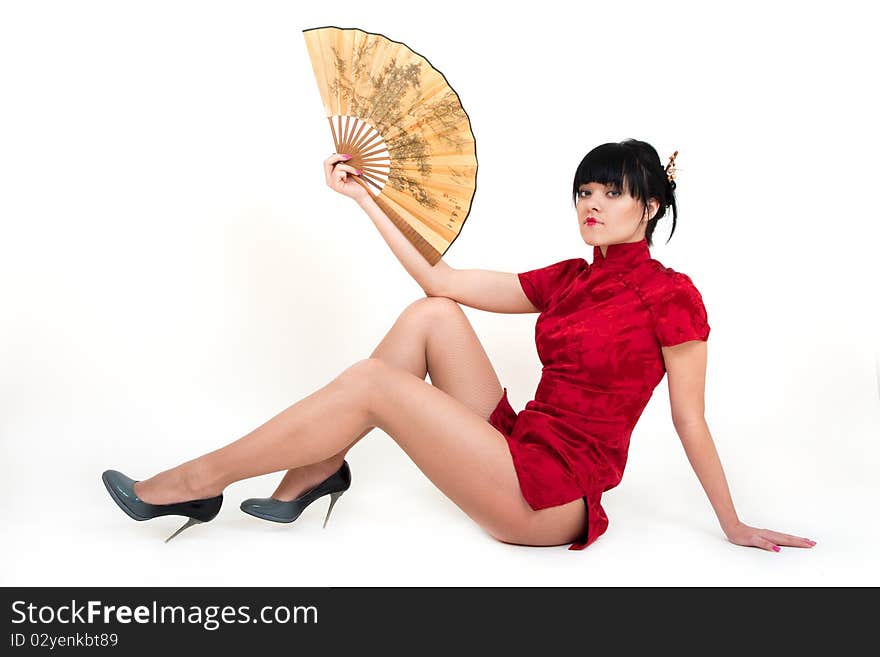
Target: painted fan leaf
[405, 127]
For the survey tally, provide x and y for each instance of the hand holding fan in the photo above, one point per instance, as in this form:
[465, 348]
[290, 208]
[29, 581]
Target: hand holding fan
[405, 127]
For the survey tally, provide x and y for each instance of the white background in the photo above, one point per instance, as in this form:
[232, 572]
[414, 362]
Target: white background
[174, 272]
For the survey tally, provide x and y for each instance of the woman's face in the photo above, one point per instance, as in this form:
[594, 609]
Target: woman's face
[618, 215]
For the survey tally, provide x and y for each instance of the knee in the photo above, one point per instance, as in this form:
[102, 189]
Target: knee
[433, 309]
[364, 372]
[363, 379]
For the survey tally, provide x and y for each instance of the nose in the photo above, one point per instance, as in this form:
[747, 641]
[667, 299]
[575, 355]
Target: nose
[591, 203]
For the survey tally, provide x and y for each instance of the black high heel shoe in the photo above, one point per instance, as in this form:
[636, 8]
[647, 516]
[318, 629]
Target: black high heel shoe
[268, 508]
[121, 489]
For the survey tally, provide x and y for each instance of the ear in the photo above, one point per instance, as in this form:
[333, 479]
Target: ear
[653, 207]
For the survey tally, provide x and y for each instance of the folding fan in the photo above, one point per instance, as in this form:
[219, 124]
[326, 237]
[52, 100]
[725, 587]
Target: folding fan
[405, 128]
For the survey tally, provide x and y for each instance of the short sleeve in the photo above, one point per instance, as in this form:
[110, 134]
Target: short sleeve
[542, 286]
[680, 315]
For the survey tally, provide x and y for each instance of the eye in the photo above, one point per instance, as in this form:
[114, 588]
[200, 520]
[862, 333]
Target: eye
[582, 192]
[614, 191]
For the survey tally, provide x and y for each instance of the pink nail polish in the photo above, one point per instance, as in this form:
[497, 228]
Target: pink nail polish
[776, 548]
[346, 157]
[359, 172]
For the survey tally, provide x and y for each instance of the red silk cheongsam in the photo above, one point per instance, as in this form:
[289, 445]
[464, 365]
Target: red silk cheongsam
[598, 336]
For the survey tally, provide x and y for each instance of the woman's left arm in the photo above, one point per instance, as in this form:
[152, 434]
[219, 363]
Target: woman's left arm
[686, 373]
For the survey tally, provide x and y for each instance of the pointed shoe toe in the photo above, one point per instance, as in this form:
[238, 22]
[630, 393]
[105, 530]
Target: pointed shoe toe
[121, 489]
[268, 508]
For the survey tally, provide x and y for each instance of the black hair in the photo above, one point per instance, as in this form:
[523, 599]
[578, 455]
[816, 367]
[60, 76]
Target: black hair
[634, 167]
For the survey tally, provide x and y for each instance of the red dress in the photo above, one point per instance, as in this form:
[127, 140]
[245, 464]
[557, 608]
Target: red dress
[598, 337]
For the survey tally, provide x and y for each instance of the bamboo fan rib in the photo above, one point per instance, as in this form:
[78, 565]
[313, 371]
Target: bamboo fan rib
[405, 127]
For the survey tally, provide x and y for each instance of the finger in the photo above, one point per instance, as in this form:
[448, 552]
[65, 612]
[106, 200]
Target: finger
[788, 539]
[337, 157]
[796, 541]
[335, 177]
[765, 544]
[342, 180]
[332, 160]
[349, 168]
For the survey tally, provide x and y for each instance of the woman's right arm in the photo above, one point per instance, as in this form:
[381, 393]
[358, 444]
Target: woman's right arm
[493, 291]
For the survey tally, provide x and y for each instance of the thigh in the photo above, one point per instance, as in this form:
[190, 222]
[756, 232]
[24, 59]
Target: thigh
[463, 455]
[457, 361]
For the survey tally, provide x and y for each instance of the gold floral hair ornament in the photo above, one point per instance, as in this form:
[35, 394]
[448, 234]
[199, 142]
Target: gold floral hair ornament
[670, 168]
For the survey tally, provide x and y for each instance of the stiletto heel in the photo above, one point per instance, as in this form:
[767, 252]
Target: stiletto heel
[121, 489]
[268, 508]
[333, 498]
[189, 523]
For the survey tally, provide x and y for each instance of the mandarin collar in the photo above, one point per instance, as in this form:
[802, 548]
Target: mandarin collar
[625, 255]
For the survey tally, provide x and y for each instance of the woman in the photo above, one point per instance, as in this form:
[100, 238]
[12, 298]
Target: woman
[607, 333]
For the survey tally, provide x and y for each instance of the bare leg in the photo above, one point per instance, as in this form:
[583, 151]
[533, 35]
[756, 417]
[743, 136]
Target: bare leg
[432, 336]
[298, 480]
[310, 431]
[463, 455]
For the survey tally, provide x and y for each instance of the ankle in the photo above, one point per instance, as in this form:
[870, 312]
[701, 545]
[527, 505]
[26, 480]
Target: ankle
[199, 480]
[307, 477]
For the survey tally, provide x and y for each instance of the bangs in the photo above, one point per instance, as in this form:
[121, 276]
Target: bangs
[615, 165]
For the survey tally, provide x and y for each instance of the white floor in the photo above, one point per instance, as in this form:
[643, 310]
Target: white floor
[393, 528]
